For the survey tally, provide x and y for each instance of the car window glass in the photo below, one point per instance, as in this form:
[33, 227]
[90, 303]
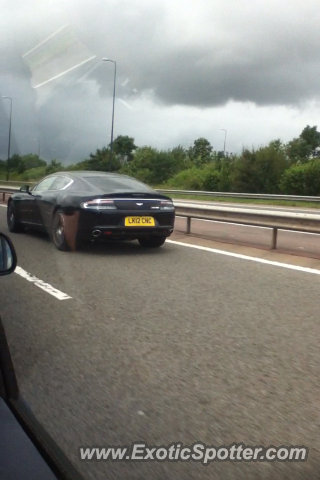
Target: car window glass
[45, 184]
[60, 183]
[118, 184]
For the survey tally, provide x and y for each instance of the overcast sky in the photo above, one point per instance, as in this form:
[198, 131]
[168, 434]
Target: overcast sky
[185, 70]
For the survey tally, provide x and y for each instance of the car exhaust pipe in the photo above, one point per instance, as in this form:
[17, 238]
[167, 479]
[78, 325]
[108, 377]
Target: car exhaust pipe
[96, 233]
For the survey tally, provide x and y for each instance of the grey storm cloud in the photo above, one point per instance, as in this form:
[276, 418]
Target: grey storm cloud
[247, 51]
[184, 53]
[268, 60]
[239, 50]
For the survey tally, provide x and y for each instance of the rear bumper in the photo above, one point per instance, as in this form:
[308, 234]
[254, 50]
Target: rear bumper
[97, 226]
[104, 233]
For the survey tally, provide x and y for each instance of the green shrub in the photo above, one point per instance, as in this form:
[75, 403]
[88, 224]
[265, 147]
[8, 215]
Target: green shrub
[33, 174]
[303, 179]
[211, 178]
[191, 179]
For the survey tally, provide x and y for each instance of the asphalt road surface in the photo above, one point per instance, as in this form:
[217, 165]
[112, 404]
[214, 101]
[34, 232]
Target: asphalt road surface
[162, 346]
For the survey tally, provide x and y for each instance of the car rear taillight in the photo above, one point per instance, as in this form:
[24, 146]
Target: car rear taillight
[166, 205]
[99, 204]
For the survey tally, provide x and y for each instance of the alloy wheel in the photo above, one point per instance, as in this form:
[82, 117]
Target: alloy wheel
[58, 230]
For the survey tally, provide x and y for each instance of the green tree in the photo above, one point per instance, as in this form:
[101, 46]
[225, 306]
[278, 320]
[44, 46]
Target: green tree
[302, 148]
[180, 159]
[200, 152]
[123, 147]
[153, 166]
[311, 136]
[22, 167]
[226, 167]
[259, 171]
[14, 162]
[53, 167]
[30, 161]
[99, 161]
[298, 150]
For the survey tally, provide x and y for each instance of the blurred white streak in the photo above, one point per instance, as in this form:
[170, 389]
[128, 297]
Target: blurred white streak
[123, 84]
[88, 72]
[125, 104]
[45, 40]
[66, 71]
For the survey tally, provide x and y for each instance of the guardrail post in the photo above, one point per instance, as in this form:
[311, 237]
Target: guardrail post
[274, 238]
[188, 225]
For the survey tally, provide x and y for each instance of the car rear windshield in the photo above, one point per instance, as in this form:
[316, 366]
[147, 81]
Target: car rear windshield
[118, 185]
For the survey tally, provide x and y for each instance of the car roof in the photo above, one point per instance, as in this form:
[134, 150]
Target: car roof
[89, 173]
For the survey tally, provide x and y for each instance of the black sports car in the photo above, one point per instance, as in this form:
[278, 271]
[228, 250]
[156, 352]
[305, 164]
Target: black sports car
[79, 206]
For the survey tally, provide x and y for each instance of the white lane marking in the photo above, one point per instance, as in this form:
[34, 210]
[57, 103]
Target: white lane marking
[246, 257]
[301, 233]
[63, 296]
[39, 283]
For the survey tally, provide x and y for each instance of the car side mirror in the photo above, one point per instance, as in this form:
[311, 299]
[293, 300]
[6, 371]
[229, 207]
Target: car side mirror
[8, 256]
[25, 189]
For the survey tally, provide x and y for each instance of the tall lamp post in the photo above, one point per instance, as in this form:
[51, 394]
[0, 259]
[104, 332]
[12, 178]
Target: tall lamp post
[225, 140]
[114, 96]
[9, 141]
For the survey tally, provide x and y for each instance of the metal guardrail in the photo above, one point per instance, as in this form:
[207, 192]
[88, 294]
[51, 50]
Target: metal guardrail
[4, 191]
[257, 196]
[12, 183]
[297, 222]
[4, 194]
[275, 220]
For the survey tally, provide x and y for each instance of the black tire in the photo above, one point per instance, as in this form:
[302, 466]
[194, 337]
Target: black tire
[152, 242]
[58, 236]
[14, 225]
